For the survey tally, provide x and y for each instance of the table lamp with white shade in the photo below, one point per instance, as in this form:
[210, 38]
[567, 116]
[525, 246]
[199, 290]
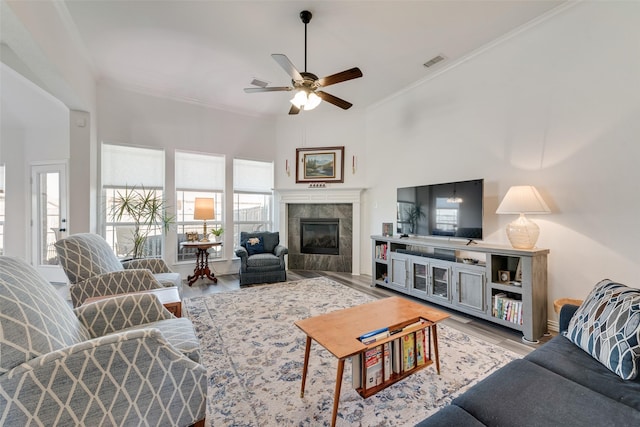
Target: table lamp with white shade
[523, 199]
[204, 209]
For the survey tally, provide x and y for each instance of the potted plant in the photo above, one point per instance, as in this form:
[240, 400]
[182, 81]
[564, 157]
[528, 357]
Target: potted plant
[146, 209]
[217, 232]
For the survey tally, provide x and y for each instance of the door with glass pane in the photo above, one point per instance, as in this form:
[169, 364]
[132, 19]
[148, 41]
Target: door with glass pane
[48, 217]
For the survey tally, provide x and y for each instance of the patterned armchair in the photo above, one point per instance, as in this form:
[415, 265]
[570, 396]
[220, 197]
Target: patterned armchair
[94, 270]
[120, 361]
[261, 257]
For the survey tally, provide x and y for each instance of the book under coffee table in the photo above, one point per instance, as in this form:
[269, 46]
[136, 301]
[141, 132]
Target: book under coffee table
[339, 333]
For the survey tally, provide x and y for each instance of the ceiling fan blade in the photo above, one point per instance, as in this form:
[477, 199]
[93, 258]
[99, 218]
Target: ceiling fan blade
[343, 76]
[284, 62]
[294, 110]
[268, 89]
[334, 100]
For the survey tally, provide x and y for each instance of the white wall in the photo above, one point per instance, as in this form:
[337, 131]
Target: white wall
[35, 130]
[556, 106]
[38, 44]
[127, 117]
[326, 126]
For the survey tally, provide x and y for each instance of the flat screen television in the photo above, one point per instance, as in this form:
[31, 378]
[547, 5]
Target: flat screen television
[453, 209]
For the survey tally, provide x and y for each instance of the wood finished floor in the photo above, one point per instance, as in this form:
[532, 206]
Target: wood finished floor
[496, 334]
[490, 332]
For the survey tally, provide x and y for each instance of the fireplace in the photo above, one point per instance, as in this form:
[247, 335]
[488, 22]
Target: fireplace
[302, 203]
[320, 236]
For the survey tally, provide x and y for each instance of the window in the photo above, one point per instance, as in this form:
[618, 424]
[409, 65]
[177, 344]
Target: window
[125, 170]
[252, 196]
[198, 175]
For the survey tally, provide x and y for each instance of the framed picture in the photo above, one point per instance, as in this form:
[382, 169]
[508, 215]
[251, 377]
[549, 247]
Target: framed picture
[325, 164]
[387, 229]
[504, 276]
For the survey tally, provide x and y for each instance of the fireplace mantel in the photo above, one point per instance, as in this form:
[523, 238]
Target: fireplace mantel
[353, 196]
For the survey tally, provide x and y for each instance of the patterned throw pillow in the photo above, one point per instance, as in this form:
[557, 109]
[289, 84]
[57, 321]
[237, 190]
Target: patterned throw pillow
[255, 245]
[607, 326]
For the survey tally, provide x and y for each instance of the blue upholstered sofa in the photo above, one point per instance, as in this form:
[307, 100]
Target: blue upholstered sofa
[560, 384]
[261, 258]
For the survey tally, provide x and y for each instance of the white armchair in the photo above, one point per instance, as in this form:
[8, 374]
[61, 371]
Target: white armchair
[120, 361]
[94, 270]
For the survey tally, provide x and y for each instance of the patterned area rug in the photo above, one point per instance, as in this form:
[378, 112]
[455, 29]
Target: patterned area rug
[254, 356]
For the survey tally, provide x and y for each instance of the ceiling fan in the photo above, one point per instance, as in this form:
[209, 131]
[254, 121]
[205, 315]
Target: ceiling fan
[306, 84]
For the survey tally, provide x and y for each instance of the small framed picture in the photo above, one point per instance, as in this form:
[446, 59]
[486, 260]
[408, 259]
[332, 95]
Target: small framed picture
[387, 229]
[325, 164]
[504, 276]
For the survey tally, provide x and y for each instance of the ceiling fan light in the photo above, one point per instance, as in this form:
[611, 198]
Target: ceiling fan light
[300, 99]
[313, 101]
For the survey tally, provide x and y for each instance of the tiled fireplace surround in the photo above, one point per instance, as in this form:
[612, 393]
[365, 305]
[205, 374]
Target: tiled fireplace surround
[321, 203]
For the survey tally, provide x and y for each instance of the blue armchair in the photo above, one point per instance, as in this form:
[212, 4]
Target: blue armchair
[261, 258]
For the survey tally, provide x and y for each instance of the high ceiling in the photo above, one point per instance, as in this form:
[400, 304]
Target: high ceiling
[206, 52]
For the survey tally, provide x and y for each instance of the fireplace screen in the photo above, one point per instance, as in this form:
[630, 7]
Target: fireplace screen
[320, 236]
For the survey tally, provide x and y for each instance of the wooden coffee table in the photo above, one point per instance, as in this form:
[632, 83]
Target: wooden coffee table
[338, 332]
[169, 297]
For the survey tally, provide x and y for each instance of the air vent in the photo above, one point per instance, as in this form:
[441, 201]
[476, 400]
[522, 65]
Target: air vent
[433, 61]
[259, 83]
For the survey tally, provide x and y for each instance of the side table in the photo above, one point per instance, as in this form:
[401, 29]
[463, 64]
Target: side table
[202, 261]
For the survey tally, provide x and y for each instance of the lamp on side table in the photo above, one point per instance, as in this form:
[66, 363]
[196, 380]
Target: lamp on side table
[204, 209]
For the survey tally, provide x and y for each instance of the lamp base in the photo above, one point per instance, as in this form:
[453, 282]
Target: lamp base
[523, 233]
[205, 235]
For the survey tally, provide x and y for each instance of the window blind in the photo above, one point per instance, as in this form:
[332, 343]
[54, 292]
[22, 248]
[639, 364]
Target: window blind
[125, 166]
[252, 176]
[196, 171]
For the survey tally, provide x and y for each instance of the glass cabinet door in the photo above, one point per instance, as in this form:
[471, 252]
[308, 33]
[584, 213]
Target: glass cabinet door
[439, 282]
[419, 278]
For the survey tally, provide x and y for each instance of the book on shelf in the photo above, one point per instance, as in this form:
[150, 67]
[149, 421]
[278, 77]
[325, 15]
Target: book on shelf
[374, 338]
[414, 324]
[408, 351]
[368, 335]
[506, 308]
[386, 352]
[396, 356]
[421, 357]
[381, 251]
[356, 371]
[373, 366]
